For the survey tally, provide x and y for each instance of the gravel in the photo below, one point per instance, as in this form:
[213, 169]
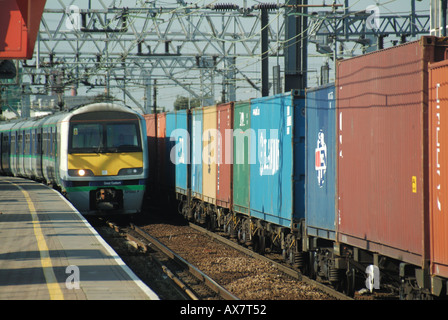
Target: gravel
[246, 277]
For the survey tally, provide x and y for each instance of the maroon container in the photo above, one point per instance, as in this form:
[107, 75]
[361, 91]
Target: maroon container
[382, 101]
[225, 155]
[162, 175]
[151, 135]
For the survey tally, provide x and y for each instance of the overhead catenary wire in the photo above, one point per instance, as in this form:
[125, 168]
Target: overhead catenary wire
[186, 16]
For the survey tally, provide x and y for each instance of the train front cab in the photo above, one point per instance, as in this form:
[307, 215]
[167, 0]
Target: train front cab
[106, 162]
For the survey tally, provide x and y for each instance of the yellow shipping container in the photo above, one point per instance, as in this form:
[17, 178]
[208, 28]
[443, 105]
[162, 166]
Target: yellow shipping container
[209, 154]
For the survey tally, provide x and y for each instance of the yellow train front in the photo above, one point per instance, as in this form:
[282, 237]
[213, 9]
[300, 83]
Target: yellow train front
[95, 154]
[103, 164]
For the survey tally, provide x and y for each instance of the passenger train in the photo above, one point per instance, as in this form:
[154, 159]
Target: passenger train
[94, 154]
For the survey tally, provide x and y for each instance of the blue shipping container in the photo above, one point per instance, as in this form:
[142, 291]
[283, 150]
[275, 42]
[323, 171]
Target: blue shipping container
[196, 156]
[180, 152]
[277, 174]
[321, 161]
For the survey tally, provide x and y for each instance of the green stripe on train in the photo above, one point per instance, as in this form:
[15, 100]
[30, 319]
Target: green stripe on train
[90, 188]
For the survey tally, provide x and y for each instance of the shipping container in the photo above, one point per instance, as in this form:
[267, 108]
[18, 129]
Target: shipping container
[156, 132]
[382, 149]
[438, 117]
[180, 153]
[321, 146]
[152, 149]
[242, 136]
[170, 127]
[225, 155]
[277, 172]
[196, 156]
[209, 154]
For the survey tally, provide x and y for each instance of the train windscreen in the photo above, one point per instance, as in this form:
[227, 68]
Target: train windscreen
[115, 132]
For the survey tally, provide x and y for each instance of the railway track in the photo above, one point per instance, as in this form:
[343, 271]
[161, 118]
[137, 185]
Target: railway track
[173, 253]
[241, 272]
[144, 240]
[280, 266]
[207, 266]
[146, 254]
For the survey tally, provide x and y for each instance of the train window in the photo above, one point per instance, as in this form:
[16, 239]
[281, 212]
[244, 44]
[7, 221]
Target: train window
[122, 137]
[104, 137]
[86, 137]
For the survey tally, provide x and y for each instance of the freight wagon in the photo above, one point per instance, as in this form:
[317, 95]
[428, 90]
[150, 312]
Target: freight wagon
[277, 174]
[210, 171]
[347, 180]
[248, 170]
[383, 146]
[320, 239]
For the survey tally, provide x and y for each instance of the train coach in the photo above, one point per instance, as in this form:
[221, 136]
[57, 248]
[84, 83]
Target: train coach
[347, 179]
[95, 154]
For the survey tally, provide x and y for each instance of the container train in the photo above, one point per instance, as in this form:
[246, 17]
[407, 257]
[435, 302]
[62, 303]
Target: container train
[347, 180]
[95, 154]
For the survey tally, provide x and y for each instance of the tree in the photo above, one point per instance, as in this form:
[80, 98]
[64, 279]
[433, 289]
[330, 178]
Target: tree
[181, 103]
[104, 97]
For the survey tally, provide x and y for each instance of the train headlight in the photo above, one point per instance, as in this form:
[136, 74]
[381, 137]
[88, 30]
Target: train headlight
[130, 171]
[80, 172]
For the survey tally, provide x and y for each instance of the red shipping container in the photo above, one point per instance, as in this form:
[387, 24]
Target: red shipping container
[151, 135]
[438, 117]
[382, 101]
[19, 25]
[225, 155]
[162, 153]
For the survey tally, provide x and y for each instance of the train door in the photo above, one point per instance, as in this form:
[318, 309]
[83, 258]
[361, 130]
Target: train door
[55, 153]
[27, 154]
[4, 153]
[39, 153]
[1, 153]
[50, 155]
[15, 156]
[53, 165]
[20, 157]
[45, 154]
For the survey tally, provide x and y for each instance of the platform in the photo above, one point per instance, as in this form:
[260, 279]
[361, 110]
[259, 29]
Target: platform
[49, 251]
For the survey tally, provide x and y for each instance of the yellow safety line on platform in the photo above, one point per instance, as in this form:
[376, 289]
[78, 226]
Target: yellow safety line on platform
[52, 283]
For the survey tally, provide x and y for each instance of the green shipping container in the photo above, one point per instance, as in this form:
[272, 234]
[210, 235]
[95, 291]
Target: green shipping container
[242, 135]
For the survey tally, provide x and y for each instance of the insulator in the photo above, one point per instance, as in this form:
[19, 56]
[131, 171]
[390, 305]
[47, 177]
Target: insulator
[225, 7]
[266, 6]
